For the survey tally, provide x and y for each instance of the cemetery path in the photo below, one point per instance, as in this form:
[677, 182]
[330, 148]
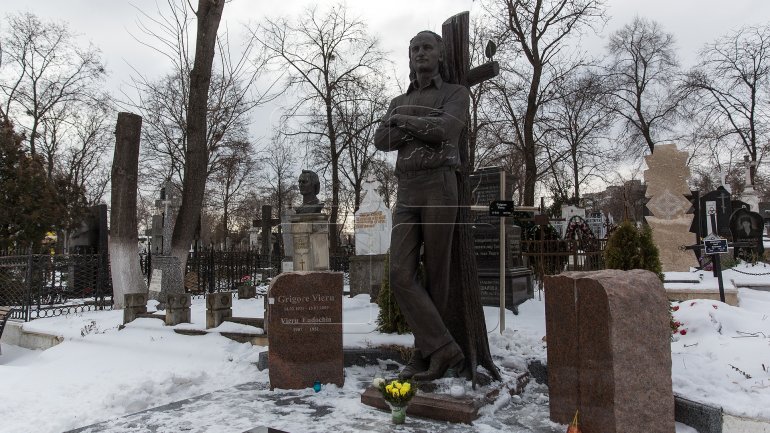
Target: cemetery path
[247, 406]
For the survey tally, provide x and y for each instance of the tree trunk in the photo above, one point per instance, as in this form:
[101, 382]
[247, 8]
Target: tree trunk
[196, 157]
[466, 320]
[124, 250]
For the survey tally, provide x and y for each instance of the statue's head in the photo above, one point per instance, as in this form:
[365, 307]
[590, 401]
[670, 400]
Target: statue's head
[435, 59]
[309, 183]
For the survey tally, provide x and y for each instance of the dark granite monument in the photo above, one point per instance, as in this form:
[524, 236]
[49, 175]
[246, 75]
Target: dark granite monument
[612, 365]
[485, 188]
[747, 227]
[304, 326]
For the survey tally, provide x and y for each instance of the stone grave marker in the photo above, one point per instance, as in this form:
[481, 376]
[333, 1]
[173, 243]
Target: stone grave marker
[134, 304]
[666, 178]
[485, 188]
[304, 327]
[609, 351]
[219, 306]
[178, 308]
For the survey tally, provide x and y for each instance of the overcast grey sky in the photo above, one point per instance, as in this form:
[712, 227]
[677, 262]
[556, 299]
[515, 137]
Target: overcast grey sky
[108, 23]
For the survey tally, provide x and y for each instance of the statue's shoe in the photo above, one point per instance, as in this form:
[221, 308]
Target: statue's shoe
[449, 356]
[416, 365]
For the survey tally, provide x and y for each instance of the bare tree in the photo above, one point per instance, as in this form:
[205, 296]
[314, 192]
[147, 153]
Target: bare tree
[231, 182]
[44, 70]
[358, 117]
[579, 120]
[540, 31]
[644, 72]
[323, 54]
[209, 14]
[278, 178]
[163, 102]
[733, 85]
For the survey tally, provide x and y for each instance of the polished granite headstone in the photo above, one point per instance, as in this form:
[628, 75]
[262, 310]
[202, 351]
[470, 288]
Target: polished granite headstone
[609, 351]
[304, 327]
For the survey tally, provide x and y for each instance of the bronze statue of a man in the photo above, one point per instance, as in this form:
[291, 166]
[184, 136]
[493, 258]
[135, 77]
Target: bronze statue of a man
[309, 187]
[424, 126]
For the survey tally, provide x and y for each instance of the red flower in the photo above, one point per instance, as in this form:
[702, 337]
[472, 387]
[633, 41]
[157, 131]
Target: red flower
[683, 332]
[675, 308]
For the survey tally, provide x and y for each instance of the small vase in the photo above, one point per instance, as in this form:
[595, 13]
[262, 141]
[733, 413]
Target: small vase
[397, 413]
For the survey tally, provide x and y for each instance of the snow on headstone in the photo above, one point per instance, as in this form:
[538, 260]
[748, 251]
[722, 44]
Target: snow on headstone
[373, 223]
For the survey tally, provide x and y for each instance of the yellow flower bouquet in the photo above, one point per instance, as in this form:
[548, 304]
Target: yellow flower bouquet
[397, 394]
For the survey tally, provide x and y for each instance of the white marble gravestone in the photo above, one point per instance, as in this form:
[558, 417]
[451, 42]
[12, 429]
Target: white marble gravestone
[373, 223]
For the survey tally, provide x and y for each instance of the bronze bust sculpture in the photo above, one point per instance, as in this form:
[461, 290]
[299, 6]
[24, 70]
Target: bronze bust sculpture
[309, 187]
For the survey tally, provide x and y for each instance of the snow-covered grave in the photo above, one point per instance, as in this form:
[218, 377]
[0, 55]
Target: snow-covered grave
[100, 374]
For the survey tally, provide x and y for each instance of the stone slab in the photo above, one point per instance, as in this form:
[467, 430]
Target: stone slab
[304, 325]
[731, 295]
[432, 406]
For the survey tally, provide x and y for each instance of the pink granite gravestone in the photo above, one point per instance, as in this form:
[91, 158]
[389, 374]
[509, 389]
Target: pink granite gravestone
[304, 328]
[609, 352]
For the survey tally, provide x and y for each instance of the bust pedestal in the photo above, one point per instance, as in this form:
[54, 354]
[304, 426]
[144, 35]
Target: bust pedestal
[310, 235]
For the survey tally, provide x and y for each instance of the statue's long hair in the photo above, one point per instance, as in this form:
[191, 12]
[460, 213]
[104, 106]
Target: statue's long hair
[443, 66]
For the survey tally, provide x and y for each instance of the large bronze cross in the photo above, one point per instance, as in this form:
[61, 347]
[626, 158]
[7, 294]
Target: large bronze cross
[465, 318]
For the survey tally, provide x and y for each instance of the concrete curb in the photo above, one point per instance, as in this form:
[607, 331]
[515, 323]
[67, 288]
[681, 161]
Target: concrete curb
[13, 334]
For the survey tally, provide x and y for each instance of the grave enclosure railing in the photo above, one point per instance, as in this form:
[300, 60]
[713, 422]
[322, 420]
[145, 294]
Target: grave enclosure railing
[212, 270]
[47, 285]
[53, 284]
[551, 257]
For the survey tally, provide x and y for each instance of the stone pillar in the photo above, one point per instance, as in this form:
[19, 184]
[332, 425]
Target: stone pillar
[310, 235]
[219, 306]
[609, 351]
[177, 308]
[135, 303]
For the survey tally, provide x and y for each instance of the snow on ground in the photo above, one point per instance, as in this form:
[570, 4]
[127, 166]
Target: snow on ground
[100, 372]
[722, 357]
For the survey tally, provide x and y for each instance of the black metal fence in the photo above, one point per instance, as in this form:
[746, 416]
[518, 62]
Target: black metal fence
[551, 257]
[46, 285]
[211, 270]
